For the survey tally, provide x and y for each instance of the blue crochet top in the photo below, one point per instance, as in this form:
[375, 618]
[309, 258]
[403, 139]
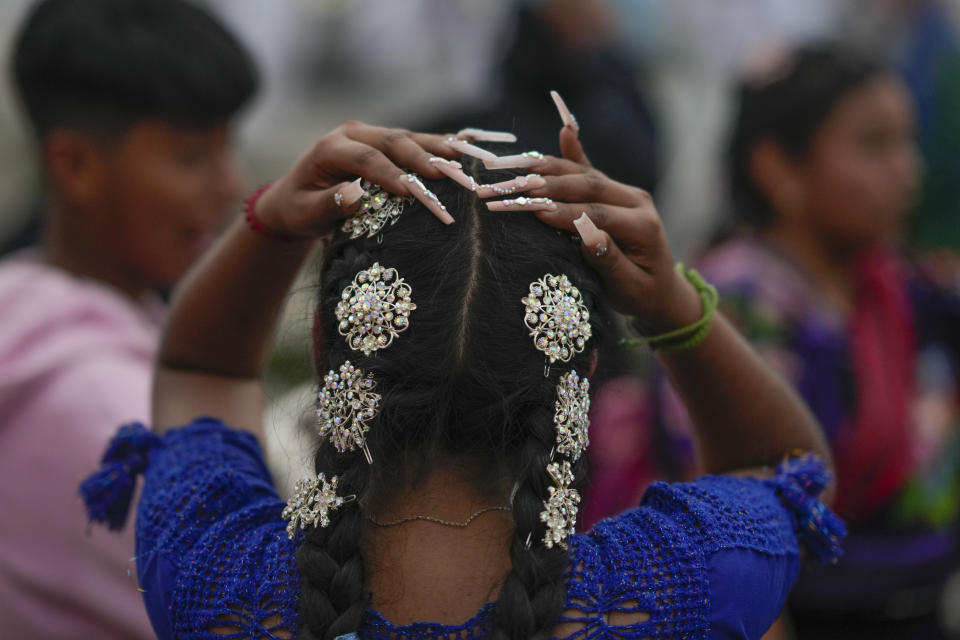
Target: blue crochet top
[714, 558]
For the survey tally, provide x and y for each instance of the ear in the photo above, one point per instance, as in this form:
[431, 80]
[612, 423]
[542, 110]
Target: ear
[76, 165]
[778, 177]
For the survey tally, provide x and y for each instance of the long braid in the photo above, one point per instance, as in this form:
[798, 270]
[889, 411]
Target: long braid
[333, 577]
[534, 592]
[333, 593]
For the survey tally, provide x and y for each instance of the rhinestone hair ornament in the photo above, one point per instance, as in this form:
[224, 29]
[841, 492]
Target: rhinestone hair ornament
[311, 504]
[346, 405]
[572, 418]
[378, 210]
[560, 507]
[374, 309]
[557, 318]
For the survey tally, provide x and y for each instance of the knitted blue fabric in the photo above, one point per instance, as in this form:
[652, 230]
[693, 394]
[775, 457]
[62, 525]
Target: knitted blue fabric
[713, 558]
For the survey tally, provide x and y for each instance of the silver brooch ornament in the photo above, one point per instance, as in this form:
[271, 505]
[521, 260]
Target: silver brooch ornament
[378, 209]
[374, 309]
[311, 504]
[557, 318]
[560, 507]
[572, 418]
[346, 405]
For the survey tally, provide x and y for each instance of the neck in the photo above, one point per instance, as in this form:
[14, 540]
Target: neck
[828, 269]
[72, 242]
[423, 570]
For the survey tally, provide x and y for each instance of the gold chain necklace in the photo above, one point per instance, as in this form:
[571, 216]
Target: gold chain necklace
[446, 523]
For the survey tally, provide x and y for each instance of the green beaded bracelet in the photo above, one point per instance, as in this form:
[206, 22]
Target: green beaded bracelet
[690, 336]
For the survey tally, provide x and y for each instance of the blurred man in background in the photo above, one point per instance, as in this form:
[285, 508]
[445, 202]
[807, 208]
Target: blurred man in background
[131, 104]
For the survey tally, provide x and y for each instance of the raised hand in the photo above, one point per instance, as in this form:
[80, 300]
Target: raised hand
[314, 194]
[623, 237]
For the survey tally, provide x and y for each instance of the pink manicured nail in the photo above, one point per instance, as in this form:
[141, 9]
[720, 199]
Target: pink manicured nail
[523, 160]
[522, 203]
[482, 135]
[452, 169]
[565, 115]
[350, 193]
[468, 149]
[428, 198]
[437, 160]
[590, 234]
[520, 183]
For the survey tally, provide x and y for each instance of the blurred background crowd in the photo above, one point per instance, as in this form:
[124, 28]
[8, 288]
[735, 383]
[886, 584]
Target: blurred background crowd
[802, 153]
[664, 72]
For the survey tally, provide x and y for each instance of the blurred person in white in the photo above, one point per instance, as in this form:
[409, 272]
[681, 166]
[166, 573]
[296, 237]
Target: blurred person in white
[569, 46]
[694, 51]
[131, 104]
[18, 179]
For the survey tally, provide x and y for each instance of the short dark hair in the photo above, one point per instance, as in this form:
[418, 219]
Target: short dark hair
[788, 108]
[103, 65]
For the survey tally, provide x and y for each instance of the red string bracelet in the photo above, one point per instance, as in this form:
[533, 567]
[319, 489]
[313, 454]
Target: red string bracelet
[256, 224]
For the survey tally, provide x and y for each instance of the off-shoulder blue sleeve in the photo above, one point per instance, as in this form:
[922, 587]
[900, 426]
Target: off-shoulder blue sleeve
[714, 558]
[751, 531]
[212, 552]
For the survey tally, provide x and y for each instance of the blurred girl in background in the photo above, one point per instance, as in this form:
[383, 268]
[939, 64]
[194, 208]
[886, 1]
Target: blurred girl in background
[823, 171]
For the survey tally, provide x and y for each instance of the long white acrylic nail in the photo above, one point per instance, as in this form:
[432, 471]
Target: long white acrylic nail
[520, 183]
[452, 169]
[428, 198]
[565, 115]
[350, 193]
[523, 160]
[468, 149]
[437, 160]
[588, 231]
[522, 203]
[482, 135]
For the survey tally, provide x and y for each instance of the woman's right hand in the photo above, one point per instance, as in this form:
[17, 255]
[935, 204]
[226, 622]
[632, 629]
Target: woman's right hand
[623, 238]
[302, 202]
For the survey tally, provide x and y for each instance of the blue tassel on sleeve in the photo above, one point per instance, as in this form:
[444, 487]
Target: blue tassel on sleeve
[109, 492]
[800, 480]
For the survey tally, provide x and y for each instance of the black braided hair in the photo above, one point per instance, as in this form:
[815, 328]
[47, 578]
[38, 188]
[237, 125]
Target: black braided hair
[463, 380]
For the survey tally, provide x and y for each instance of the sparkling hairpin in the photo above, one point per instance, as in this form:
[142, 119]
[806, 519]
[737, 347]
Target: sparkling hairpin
[346, 405]
[520, 182]
[378, 209]
[572, 418]
[415, 180]
[526, 201]
[311, 504]
[560, 508]
[374, 309]
[558, 320]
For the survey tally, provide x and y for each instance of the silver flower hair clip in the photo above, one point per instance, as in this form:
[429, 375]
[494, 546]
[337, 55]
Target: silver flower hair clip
[572, 418]
[374, 309]
[558, 320]
[378, 209]
[346, 405]
[572, 422]
[560, 508]
[311, 504]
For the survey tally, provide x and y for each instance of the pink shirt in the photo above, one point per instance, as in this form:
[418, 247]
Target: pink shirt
[75, 363]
